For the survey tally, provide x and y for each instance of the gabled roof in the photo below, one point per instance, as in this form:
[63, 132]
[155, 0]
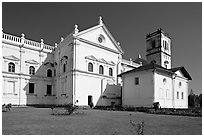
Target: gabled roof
[112, 38]
[31, 62]
[183, 70]
[158, 68]
[11, 57]
[147, 67]
[106, 31]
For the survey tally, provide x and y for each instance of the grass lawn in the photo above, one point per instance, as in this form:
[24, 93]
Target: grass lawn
[39, 121]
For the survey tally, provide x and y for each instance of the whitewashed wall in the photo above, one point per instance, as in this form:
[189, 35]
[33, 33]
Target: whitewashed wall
[15, 85]
[179, 102]
[138, 95]
[163, 90]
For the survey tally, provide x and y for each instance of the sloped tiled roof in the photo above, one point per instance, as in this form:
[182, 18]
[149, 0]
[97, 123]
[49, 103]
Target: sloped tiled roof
[147, 67]
[159, 68]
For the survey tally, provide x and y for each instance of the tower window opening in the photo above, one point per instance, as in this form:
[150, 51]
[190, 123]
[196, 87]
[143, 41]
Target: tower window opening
[153, 44]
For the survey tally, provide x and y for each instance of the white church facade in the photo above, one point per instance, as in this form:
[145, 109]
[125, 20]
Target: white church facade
[84, 67]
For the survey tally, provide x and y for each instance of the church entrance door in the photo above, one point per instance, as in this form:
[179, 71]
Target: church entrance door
[90, 99]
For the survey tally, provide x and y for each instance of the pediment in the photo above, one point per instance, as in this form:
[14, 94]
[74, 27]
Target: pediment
[102, 61]
[49, 64]
[182, 72]
[91, 57]
[31, 62]
[100, 35]
[11, 57]
[111, 63]
[179, 73]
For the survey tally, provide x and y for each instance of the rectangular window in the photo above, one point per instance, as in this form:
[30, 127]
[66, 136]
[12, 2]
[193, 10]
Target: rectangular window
[49, 89]
[31, 88]
[137, 81]
[177, 95]
[181, 95]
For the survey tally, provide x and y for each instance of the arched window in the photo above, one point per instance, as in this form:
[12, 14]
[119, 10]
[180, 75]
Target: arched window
[180, 84]
[49, 73]
[64, 68]
[100, 69]
[31, 70]
[110, 72]
[164, 81]
[11, 67]
[90, 67]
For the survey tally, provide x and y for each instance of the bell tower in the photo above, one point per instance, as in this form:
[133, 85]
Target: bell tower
[158, 46]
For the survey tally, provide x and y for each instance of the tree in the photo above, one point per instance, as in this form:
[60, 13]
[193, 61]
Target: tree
[200, 100]
[194, 100]
[191, 99]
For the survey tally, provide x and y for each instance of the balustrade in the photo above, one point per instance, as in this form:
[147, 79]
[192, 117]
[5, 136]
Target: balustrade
[11, 38]
[16, 39]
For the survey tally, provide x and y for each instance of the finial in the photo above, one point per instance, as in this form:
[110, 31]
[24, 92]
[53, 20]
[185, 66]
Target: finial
[41, 44]
[118, 43]
[130, 59]
[100, 20]
[76, 30]
[139, 56]
[55, 45]
[141, 63]
[75, 26]
[22, 35]
[62, 39]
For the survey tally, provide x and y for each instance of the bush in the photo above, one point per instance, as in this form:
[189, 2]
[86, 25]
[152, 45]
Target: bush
[69, 109]
[7, 107]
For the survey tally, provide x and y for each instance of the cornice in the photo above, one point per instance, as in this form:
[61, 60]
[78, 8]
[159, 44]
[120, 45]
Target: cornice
[91, 73]
[96, 45]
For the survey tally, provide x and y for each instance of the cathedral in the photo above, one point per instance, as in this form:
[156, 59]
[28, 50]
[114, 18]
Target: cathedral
[87, 67]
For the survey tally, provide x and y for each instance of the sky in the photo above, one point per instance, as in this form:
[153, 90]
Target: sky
[128, 22]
